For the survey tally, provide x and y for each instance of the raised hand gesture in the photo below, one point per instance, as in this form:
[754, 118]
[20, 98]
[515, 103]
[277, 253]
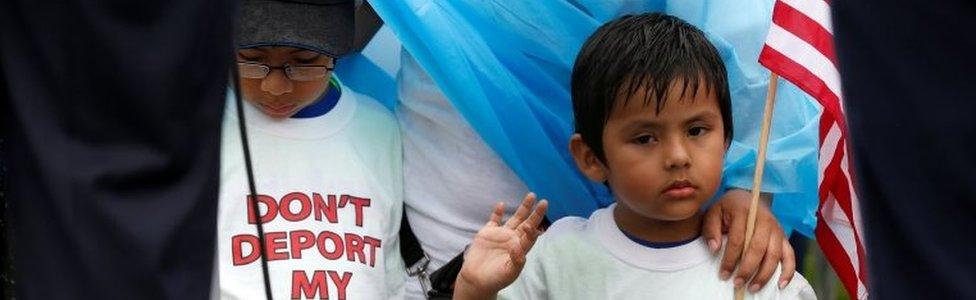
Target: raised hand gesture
[496, 256]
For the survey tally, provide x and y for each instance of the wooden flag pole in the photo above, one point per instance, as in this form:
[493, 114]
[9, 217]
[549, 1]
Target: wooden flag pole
[758, 175]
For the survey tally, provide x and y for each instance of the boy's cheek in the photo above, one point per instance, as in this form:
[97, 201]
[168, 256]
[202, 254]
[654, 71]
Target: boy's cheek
[248, 91]
[712, 171]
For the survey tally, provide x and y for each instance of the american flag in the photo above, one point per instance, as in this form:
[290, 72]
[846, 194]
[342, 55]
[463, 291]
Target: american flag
[800, 49]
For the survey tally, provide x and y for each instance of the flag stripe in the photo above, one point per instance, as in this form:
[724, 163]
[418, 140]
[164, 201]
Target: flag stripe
[817, 10]
[837, 213]
[834, 215]
[836, 193]
[805, 28]
[828, 145]
[840, 188]
[805, 55]
[853, 212]
[828, 237]
[837, 210]
[835, 254]
[804, 79]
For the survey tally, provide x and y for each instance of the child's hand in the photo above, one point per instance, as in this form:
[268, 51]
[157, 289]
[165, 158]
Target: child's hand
[769, 247]
[497, 254]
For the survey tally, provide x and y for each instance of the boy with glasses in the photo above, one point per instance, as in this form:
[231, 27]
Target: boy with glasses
[326, 165]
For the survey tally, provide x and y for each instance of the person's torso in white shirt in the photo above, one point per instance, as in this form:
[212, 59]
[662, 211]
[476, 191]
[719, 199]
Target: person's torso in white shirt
[452, 179]
[335, 188]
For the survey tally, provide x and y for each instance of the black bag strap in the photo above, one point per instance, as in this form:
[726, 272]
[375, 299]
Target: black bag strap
[409, 245]
[442, 280]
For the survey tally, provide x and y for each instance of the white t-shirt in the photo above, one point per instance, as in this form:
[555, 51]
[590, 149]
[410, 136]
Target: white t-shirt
[452, 180]
[334, 184]
[592, 259]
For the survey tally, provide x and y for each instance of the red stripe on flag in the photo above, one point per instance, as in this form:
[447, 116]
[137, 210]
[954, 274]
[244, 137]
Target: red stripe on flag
[841, 198]
[805, 80]
[804, 28]
[831, 174]
[835, 184]
[825, 124]
[836, 255]
[841, 190]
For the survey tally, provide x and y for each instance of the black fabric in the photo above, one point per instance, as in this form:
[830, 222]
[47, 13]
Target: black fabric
[442, 280]
[410, 248]
[6, 262]
[367, 24]
[113, 142]
[322, 27]
[910, 93]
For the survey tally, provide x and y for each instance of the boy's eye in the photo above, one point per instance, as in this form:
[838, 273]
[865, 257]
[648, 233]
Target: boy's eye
[697, 131]
[644, 139]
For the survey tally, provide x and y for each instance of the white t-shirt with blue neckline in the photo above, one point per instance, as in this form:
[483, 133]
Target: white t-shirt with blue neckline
[334, 181]
[593, 259]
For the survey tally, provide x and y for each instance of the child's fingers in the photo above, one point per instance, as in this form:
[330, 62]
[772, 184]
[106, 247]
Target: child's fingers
[753, 255]
[521, 232]
[789, 265]
[496, 215]
[769, 263]
[537, 214]
[531, 234]
[495, 236]
[529, 230]
[522, 212]
[733, 248]
[712, 227]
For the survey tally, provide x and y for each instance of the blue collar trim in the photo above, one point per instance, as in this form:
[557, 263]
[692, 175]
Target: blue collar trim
[322, 106]
[658, 245]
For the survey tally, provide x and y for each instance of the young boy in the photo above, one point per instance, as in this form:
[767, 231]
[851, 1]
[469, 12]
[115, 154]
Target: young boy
[327, 165]
[653, 122]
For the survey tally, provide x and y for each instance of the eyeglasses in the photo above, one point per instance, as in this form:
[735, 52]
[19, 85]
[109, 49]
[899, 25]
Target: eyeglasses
[253, 70]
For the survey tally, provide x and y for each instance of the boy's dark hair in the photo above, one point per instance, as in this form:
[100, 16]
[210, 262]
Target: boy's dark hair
[649, 51]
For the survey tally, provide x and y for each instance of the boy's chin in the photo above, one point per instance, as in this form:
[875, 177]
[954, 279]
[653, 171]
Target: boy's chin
[675, 212]
[668, 213]
[282, 112]
[279, 116]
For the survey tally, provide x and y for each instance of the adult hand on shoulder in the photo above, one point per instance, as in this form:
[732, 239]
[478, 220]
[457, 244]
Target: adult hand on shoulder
[497, 254]
[768, 247]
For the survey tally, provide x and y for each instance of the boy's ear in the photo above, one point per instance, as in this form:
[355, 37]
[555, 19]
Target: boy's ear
[586, 159]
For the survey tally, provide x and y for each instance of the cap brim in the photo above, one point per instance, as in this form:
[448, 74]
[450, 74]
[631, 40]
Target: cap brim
[327, 29]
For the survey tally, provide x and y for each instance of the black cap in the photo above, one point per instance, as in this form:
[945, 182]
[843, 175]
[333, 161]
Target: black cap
[324, 26]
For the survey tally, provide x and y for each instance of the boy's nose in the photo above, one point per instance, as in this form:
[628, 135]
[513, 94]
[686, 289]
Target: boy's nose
[277, 83]
[677, 156]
